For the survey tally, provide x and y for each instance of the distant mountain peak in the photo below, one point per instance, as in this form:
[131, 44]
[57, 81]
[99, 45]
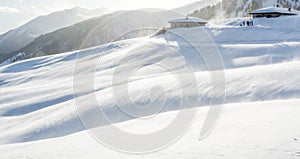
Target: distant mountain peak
[20, 37]
[77, 8]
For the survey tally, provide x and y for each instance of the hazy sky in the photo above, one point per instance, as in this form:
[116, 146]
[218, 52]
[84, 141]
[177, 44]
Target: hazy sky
[16, 12]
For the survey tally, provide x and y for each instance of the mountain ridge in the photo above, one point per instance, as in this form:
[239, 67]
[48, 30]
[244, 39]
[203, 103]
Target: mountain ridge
[95, 31]
[17, 38]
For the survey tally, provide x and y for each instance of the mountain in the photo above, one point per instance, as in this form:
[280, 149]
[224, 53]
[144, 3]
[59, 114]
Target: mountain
[239, 8]
[94, 32]
[91, 34]
[23, 35]
[108, 28]
[39, 97]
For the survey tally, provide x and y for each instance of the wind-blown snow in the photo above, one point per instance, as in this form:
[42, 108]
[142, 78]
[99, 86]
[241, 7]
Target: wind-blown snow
[261, 62]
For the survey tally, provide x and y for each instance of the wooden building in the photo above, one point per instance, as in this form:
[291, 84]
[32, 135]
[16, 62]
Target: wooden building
[273, 12]
[187, 22]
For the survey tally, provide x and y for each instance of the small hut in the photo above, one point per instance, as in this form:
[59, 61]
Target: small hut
[273, 12]
[187, 22]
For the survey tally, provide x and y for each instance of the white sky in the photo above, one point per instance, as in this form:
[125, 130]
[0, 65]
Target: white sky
[16, 12]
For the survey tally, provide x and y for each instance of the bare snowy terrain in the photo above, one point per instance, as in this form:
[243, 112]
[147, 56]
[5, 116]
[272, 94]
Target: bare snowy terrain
[38, 117]
[248, 130]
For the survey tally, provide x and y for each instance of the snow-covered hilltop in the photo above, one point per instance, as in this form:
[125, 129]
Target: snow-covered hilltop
[261, 64]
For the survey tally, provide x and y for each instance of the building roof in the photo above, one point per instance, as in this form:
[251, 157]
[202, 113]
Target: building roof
[275, 10]
[188, 20]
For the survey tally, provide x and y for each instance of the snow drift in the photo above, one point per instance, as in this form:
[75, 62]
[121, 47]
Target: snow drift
[261, 63]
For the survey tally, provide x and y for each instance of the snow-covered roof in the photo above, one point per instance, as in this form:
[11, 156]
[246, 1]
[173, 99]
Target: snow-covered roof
[275, 10]
[188, 20]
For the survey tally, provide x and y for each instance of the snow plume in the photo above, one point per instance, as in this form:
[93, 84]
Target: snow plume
[9, 10]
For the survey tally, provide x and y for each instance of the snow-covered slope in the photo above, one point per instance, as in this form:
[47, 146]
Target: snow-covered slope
[261, 62]
[247, 130]
[23, 35]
